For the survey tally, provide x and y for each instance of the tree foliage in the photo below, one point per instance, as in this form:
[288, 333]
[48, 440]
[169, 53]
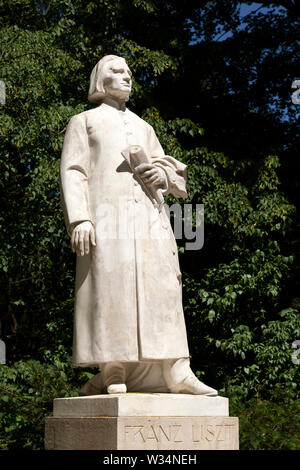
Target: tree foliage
[216, 88]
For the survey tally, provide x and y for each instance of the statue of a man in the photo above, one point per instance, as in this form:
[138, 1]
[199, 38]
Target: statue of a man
[129, 318]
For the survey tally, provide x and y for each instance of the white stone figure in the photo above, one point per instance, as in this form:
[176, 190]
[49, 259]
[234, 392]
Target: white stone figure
[129, 318]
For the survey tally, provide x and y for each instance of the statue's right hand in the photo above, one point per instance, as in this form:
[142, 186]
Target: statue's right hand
[82, 235]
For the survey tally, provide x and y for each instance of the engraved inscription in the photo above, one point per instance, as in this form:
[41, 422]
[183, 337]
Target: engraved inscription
[158, 433]
[209, 432]
[174, 433]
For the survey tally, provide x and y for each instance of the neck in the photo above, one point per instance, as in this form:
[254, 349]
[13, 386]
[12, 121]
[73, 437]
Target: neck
[115, 102]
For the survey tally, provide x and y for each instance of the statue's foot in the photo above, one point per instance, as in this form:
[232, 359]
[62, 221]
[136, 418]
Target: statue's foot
[116, 388]
[191, 385]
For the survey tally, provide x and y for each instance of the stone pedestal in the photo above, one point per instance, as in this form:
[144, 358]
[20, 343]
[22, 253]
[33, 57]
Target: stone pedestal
[141, 421]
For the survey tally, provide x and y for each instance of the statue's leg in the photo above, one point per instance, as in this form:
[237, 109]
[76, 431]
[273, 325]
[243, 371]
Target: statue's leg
[145, 377]
[94, 386]
[113, 376]
[181, 379]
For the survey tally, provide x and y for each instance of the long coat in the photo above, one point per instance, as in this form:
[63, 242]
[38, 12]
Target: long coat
[128, 304]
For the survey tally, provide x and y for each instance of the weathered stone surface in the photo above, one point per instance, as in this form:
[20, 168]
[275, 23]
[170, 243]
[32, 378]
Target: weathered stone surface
[142, 433]
[140, 404]
[81, 433]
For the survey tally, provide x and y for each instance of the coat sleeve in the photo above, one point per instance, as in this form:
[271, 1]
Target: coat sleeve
[174, 171]
[74, 173]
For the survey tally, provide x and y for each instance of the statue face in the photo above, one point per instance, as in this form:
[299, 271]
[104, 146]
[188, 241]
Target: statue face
[117, 79]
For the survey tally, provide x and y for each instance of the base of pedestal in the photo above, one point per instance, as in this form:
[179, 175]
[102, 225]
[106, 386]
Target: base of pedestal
[132, 422]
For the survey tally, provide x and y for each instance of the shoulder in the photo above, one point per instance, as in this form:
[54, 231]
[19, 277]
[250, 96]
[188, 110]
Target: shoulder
[83, 121]
[84, 116]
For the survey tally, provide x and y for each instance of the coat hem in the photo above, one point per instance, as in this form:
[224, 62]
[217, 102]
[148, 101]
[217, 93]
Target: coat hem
[151, 360]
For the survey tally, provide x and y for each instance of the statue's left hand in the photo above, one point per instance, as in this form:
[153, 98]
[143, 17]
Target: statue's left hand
[150, 174]
[82, 235]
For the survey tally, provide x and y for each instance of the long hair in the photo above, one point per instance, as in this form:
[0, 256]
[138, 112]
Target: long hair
[96, 90]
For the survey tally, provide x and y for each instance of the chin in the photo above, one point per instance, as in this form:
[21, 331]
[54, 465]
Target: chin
[126, 95]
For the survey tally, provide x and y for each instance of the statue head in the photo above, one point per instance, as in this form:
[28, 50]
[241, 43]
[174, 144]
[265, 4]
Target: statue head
[111, 76]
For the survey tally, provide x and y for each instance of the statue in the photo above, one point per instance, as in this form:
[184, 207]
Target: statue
[128, 318]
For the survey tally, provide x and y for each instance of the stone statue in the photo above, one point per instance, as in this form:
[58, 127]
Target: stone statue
[128, 319]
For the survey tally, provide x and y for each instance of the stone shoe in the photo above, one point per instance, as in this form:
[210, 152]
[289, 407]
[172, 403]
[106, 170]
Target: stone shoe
[191, 385]
[117, 388]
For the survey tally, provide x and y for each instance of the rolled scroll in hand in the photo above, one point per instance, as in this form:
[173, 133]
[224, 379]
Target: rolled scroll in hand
[135, 156]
